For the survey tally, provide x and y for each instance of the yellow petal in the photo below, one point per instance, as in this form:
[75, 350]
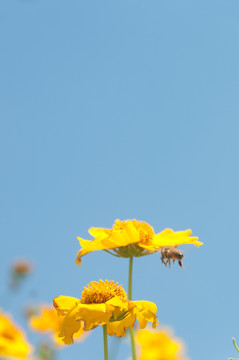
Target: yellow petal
[130, 233]
[118, 302]
[99, 232]
[70, 326]
[127, 234]
[47, 319]
[107, 239]
[94, 245]
[146, 311]
[121, 308]
[168, 237]
[147, 306]
[90, 245]
[63, 304]
[86, 316]
[118, 328]
[94, 314]
[78, 260]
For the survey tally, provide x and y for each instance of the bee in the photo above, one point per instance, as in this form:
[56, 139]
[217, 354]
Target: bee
[169, 253]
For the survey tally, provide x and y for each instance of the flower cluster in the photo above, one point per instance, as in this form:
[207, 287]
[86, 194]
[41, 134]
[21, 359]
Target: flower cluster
[103, 303]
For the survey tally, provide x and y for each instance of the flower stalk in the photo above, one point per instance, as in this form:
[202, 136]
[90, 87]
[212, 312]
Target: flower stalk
[234, 343]
[236, 347]
[105, 342]
[130, 278]
[133, 348]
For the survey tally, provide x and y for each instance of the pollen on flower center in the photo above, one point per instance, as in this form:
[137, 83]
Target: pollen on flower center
[146, 232]
[102, 291]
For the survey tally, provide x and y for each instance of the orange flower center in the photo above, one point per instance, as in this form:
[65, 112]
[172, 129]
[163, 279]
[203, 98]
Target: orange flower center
[146, 232]
[101, 292]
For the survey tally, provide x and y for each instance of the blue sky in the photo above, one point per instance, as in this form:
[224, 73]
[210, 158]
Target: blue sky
[125, 110]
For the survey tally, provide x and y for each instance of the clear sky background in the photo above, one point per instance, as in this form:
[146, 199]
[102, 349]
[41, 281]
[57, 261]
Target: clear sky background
[123, 109]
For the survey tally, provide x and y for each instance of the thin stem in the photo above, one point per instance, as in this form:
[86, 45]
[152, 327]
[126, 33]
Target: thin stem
[237, 348]
[130, 278]
[131, 331]
[105, 342]
[234, 343]
[130, 298]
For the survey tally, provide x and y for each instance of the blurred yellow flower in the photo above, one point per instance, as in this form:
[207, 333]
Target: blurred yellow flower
[22, 267]
[103, 302]
[12, 340]
[132, 238]
[48, 321]
[158, 345]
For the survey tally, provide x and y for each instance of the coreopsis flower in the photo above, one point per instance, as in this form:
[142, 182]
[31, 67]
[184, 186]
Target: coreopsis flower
[13, 343]
[103, 302]
[22, 267]
[48, 321]
[158, 345]
[19, 270]
[133, 238]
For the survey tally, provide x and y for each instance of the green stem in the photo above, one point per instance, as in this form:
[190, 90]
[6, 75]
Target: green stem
[132, 344]
[130, 278]
[234, 343]
[130, 298]
[105, 342]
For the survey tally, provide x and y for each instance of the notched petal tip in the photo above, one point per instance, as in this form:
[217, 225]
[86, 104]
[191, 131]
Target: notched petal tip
[78, 261]
[198, 243]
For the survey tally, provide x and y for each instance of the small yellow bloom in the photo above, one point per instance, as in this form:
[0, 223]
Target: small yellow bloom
[22, 267]
[49, 321]
[158, 345]
[12, 340]
[132, 238]
[103, 302]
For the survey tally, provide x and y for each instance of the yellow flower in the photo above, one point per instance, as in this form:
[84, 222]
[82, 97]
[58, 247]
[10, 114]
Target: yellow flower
[49, 321]
[22, 267]
[103, 302]
[159, 345]
[132, 238]
[12, 340]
